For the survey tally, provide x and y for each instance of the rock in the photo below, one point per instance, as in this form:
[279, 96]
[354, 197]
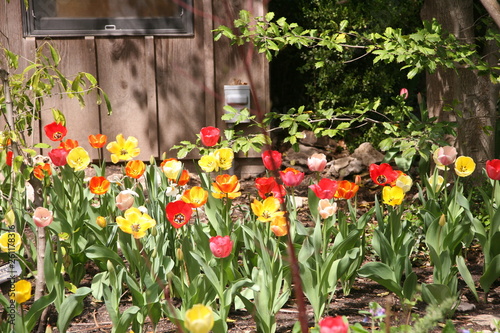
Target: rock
[367, 154]
[465, 307]
[345, 166]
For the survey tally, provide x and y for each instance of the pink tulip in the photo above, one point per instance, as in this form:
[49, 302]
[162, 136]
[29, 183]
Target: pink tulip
[221, 247]
[404, 92]
[316, 162]
[58, 156]
[446, 155]
[42, 217]
[124, 200]
[291, 177]
[326, 208]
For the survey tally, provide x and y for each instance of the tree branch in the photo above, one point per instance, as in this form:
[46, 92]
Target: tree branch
[493, 9]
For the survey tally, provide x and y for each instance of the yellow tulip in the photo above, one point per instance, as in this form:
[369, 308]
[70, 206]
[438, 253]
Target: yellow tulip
[123, 150]
[208, 163]
[78, 158]
[199, 319]
[10, 242]
[172, 169]
[266, 210]
[135, 222]
[224, 158]
[438, 185]
[464, 166]
[22, 291]
[405, 182]
[393, 195]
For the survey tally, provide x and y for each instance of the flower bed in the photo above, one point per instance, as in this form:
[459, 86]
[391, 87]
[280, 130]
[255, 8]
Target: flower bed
[198, 254]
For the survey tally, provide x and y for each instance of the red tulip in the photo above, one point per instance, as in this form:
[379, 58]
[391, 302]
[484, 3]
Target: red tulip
[265, 185]
[291, 177]
[333, 325]
[272, 159]
[493, 169]
[9, 158]
[209, 136]
[325, 189]
[221, 247]
[383, 174]
[58, 156]
[55, 131]
[178, 213]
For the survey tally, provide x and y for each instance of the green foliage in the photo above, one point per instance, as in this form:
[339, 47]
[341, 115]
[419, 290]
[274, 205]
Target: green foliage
[38, 80]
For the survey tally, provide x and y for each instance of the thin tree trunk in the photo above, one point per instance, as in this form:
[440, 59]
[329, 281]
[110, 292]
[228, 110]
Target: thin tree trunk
[463, 95]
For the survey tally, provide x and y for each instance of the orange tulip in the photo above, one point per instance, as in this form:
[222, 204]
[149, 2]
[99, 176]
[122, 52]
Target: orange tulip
[195, 196]
[135, 169]
[98, 140]
[68, 144]
[99, 185]
[279, 226]
[226, 186]
[183, 179]
[42, 170]
[346, 189]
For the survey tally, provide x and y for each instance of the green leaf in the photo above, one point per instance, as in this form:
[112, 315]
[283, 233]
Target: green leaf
[126, 318]
[435, 293]
[72, 307]
[37, 308]
[491, 274]
[464, 272]
[42, 145]
[382, 274]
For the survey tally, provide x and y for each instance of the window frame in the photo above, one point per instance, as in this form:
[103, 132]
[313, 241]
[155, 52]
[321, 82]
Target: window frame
[181, 26]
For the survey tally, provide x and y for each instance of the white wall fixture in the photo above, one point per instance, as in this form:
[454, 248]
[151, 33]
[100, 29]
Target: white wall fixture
[237, 96]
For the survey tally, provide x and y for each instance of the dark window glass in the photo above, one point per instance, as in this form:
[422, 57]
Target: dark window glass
[108, 17]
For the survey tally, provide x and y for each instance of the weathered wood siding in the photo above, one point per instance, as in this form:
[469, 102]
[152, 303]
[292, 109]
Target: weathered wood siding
[162, 89]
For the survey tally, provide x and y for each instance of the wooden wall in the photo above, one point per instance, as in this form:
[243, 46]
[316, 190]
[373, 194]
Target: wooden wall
[162, 89]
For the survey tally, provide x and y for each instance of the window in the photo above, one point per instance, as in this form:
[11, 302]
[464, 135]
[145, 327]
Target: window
[108, 17]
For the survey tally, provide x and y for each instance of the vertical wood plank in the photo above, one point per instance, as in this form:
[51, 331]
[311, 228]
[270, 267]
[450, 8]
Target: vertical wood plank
[208, 49]
[182, 86]
[122, 68]
[152, 107]
[77, 55]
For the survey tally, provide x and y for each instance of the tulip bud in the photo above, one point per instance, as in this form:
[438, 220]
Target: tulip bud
[101, 221]
[357, 180]
[179, 254]
[10, 218]
[442, 220]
